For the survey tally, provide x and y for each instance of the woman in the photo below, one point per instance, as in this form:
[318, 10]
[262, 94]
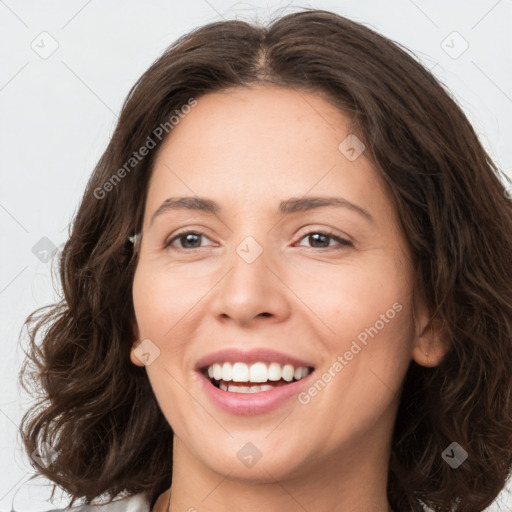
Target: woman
[287, 287]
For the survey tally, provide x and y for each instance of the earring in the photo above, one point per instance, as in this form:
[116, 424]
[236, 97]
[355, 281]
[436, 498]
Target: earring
[134, 238]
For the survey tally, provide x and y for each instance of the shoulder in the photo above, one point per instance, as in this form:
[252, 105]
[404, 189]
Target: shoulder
[135, 503]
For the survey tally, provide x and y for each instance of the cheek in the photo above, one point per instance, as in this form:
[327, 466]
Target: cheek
[369, 357]
[367, 310]
[158, 306]
[161, 299]
[351, 297]
[147, 302]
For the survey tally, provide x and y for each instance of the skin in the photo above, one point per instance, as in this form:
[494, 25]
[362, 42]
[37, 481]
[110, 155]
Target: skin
[249, 149]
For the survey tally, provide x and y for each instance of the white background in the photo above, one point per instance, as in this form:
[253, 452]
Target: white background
[58, 114]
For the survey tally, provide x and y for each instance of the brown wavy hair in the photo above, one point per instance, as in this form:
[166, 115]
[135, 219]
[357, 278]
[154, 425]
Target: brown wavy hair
[97, 409]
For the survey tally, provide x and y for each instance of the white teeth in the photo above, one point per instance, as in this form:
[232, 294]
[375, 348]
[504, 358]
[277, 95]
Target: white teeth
[288, 371]
[217, 371]
[240, 372]
[227, 372]
[274, 372]
[233, 388]
[257, 372]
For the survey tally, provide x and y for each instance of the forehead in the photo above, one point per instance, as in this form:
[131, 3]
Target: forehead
[263, 143]
[262, 117]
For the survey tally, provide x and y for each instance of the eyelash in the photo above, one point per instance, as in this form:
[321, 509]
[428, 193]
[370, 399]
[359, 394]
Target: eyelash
[343, 243]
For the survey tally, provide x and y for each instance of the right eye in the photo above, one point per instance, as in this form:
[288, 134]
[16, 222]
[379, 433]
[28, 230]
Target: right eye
[187, 239]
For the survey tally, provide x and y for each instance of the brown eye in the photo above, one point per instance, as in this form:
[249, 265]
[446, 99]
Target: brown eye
[187, 240]
[321, 239]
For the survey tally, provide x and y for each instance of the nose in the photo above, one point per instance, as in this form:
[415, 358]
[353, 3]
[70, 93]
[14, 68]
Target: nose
[252, 292]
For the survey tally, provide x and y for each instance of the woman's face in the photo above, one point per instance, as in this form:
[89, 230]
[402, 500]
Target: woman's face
[258, 282]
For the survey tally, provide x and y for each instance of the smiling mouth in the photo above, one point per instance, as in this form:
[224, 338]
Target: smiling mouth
[240, 377]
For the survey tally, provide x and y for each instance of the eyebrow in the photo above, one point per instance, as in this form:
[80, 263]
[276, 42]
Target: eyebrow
[290, 206]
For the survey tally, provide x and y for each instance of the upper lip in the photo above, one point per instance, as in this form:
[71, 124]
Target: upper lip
[263, 355]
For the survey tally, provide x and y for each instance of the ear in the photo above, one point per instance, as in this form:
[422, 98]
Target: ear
[136, 342]
[429, 345]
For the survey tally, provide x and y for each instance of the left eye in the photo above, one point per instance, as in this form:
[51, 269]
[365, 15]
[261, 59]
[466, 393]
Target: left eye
[320, 237]
[191, 240]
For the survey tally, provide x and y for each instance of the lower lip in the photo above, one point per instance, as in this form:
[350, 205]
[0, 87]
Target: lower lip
[250, 404]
